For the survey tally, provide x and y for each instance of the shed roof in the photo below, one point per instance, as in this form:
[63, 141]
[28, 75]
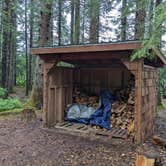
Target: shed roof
[74, 53]
[117, 46]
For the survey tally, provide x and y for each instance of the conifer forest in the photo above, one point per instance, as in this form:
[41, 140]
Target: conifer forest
[57, 56]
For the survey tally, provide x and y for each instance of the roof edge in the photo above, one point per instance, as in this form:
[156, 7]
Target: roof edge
[119, 46]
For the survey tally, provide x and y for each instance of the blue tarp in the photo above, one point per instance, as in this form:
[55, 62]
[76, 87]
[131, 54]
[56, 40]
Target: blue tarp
[101, 117]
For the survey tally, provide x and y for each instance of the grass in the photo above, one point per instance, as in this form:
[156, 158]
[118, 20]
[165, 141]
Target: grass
[162, 106]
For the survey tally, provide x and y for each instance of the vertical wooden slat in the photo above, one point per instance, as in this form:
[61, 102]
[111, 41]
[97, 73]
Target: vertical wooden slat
[60, 104]
[138, 107]
[45, 95]
[46, 82]
[51, 107]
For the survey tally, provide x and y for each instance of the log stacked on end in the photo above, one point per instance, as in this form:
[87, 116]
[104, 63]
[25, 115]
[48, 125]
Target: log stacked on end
[122, 114]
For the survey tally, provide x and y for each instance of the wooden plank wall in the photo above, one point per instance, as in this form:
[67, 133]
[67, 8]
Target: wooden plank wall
[146, 81]
[60, 93]
[46, 80]
[96, 79]
[149, 99]
[62, 80]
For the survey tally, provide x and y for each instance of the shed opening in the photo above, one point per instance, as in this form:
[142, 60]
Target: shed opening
[81, 86]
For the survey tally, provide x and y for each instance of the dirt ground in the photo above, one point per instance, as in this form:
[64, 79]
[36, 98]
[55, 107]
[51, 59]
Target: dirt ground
[29, 145]
[23, 144]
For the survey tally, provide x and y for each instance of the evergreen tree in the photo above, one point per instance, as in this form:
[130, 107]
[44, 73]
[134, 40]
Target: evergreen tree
[8, 43]
[45, 39]
[140, 19]
[94, 21]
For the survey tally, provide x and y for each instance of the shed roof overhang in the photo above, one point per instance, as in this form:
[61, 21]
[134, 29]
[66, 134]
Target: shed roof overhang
[99, 53]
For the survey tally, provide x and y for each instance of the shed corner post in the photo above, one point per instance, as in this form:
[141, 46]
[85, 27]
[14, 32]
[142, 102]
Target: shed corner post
[139, 137]
[136, 68]
[48, 65]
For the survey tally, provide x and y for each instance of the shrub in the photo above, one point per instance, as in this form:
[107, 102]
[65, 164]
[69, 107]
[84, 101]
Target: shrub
[9, 104]
[3, 93]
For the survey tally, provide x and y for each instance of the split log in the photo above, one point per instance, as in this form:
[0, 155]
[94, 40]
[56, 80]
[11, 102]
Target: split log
[148, 159]
[142, 160]
[159, 141]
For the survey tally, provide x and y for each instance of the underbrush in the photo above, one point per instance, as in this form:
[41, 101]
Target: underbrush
[9, 104]
[3, 93]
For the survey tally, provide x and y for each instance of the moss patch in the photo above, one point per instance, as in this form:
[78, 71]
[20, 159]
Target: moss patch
[11, 112]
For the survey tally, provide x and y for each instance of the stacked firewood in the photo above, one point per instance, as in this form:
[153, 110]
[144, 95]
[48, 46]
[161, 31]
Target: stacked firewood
[122, 113]
[85, 99]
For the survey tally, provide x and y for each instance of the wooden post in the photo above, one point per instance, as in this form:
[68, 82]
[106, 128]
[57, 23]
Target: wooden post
[136, 68]
[46, 79]
[138, 105]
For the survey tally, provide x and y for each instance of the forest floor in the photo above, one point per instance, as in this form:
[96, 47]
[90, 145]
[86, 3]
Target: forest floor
[19, 92]
[23, 144]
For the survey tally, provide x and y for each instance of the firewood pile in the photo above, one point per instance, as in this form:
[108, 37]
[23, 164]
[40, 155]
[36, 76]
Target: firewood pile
[83, 98]
[122, 113]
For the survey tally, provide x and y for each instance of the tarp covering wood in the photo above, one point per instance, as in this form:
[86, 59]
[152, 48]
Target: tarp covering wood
[100, 117]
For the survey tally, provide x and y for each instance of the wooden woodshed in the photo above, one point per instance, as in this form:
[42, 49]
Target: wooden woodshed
[98, 66]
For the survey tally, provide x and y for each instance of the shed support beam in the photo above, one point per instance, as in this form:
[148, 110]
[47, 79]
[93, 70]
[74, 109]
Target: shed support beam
[136, 68]
[47, 67]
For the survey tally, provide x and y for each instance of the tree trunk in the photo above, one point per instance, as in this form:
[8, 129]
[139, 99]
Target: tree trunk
[140, 19]
[83, 24]
[151, 19]
[77, 22]
[158, 31]
[59, 22]
[0, 37]
[45, 39]
[26, 49]
[31, 43]
[94, 20]
[72, 22]
[8, 44]
[123, 21]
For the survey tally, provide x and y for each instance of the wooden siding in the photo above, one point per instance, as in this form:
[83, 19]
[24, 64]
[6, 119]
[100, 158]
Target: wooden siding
[96, 79]
[149, 100]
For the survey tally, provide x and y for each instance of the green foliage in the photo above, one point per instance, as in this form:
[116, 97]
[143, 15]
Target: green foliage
[163, 82]
[3, 93]
[64, 64]
[9, 104]
[154, 40]
[21, 70]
